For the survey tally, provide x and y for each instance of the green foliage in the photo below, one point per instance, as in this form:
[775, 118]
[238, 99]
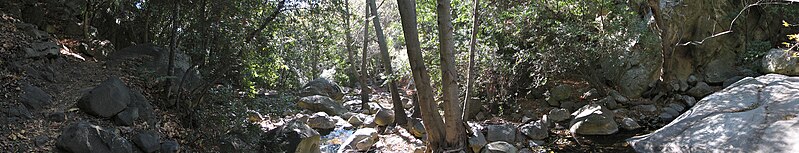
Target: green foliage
[755, 50]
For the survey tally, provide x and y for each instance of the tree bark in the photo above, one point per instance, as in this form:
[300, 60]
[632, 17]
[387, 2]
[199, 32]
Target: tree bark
[399, 111]
[173, 46]
[453, 112]
[433, 123]
[364, 89]
[469, 73]
[345, 15]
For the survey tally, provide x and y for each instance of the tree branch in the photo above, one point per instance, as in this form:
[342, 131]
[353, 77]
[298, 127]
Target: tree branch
[280, 6]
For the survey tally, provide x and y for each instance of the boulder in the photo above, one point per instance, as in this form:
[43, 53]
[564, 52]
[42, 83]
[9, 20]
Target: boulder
[384, 117]
[559, 114]
[107, 99]
[535, 130]
[319, 103]
[561, 92]
[355, 120]
[34, 98]
[501, 132]
[476, 138]
[609, 102]
[780, 61]
[700, 90]
[19, 111]
[156, 59]
[321, 120]
[361, 140]
[57, 117]
[416, 127]
[645, 108]
[322, 87]
[294, 136]
[593, 120]
[147, 141]
[42, 49]
[127, 116]
[142, 105]
[731, 80]
[499, 147]
[629, 124]
[617, 96]
[690, 101]
[170, 146]
[752, 115]
[87, 138]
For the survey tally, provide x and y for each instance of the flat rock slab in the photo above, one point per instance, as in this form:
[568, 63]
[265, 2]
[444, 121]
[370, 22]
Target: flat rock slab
[751, 115]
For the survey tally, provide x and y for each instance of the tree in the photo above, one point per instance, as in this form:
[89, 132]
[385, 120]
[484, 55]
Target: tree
[173, 46]
[364, 73]
[449, 78]
[470, 70]
[433, 124]
[399, 112]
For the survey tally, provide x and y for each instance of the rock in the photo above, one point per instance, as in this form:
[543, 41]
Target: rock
[645, 108]
[731, 80]
[559, 114]
[719, 69]
[677, 106]
[33, 31]
[19, 111]
[355, 120]
[321, 120]
[322, 87]
[476, 138]
[700, 90]
[499, 147]
[629, 124]
[561, 92]
[609, 102]
[319, 103]
[593, 120]
[547, 121]
[361, 140]
[535, 130]
[416, 127]
[780, 61]
[690, 101]
[294, 136]
[147, 141]
[42, 49]
[107, 99]
[692, 80]
[501, 132]
[552, 102]
[671, 111]
[617, 96]
[85, 137]
[568, 105]
[384, 117]
[665, 116]
[157, 59]
[34, 98]
[127, 116]
[40, 140]
[754, 115]
[138, 101]
[57, 117]
[591, 94]
[170, 146]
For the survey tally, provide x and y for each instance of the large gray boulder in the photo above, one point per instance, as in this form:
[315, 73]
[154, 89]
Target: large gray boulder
[83, 137]
[34, 98]
[361, 140]
[42, 49]
[501, 132]
[320, 103]
[593, 120]
[322, 87]
[294, 136]
[781, 61]
[499, 147]
[107, 99]
[752, 115]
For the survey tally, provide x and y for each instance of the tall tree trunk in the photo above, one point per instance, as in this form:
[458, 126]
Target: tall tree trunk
[470, 72]
[399, 111]
[453, 112]
[173, 46]
[433, 123]
[345, 15]
[364, 89]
